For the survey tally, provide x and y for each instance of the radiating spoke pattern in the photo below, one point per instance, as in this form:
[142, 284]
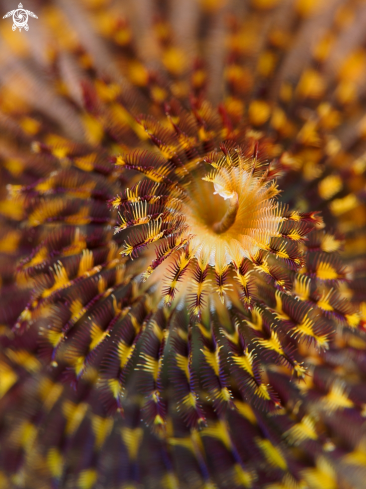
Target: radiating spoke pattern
[182, 246]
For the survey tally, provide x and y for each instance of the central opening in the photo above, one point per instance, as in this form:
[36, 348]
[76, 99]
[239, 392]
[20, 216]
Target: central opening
[212, 216]
[228, 219]
[206, 209]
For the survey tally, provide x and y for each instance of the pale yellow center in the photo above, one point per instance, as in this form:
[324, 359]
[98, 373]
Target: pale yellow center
[253, 222]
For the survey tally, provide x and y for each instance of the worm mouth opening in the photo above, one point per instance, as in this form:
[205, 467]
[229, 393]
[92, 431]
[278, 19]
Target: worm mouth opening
[228, 220]
[231, 207]
[210, 214]
[206, 211]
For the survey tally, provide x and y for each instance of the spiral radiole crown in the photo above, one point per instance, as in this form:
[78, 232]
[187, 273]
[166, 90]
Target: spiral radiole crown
[212, 225]
[182, 245]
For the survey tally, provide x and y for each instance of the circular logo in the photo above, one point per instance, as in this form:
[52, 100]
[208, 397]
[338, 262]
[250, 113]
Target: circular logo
[20, 18]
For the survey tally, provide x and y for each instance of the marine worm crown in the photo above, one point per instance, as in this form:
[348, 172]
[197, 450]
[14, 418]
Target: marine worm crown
[215, 217]
[255, 121]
